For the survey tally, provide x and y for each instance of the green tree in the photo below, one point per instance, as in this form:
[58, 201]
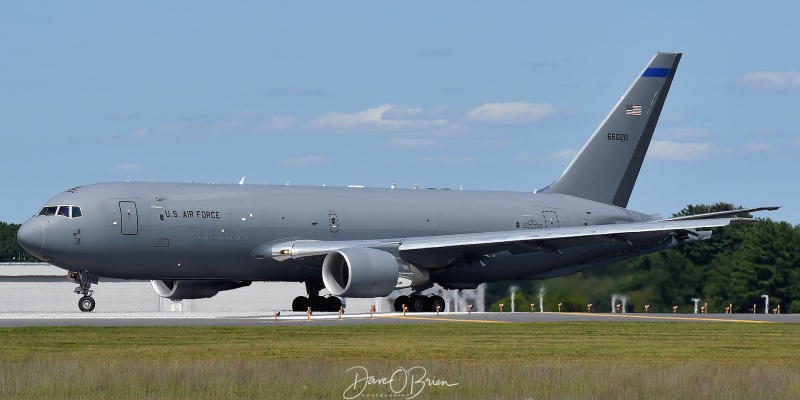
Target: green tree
[10, 250]
[735, 266]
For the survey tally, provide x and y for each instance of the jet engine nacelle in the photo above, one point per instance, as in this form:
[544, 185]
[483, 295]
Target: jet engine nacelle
[367, 272]
[193, 289]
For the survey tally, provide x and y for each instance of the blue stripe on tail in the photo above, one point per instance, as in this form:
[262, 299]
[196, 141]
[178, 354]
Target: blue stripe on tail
[656, 72]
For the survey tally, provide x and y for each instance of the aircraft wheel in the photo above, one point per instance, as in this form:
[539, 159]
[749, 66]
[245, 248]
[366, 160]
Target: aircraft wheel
[437, 301]
[419, 303]
[86, 304]
[333, 304]
[300, 303]
[317, 303]
[399, 301]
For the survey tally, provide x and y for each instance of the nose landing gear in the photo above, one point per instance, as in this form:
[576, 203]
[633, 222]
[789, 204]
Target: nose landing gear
[84, 279]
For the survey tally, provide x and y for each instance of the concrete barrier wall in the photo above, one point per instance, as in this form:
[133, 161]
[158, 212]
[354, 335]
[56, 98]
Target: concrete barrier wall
[42, 287]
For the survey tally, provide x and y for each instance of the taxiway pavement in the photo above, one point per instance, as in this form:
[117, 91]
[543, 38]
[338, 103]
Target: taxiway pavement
[77, 318]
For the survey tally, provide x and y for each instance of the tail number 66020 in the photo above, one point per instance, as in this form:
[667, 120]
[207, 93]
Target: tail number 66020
[618, 136]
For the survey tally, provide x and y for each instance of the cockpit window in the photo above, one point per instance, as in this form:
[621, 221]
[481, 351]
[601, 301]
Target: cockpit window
[64, 211]
[48, 210]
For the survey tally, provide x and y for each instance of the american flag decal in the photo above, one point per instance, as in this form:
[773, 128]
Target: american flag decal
[633, 109]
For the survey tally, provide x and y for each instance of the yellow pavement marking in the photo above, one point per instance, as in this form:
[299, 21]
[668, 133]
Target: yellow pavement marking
[445, 319]
[645, 316]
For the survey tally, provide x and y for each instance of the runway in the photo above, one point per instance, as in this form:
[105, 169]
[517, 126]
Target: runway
[77, 318]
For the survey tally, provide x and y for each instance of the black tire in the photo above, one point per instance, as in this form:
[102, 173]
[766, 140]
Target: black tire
[438, 301]
[300, 303]
[400, 301]
[419, 303]
[317, 303]
[86, 304]
[333, 304]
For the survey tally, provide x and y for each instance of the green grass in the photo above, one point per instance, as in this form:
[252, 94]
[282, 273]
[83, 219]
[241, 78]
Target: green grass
[532, 360]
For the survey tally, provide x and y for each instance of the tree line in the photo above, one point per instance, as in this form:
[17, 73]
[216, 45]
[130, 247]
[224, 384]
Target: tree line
[734, 268]
[10, 250]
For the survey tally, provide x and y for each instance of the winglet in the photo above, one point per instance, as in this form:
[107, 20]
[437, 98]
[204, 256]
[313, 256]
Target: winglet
[241, 182]
[607, 166]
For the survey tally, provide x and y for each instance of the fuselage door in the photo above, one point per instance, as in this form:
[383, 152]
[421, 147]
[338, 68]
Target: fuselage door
[129, 218]
[551, 219]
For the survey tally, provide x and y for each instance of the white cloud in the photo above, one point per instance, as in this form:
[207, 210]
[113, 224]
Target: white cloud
[757, 147]
[306, 161]
[511, 113]
[688, 134]
[559, 157]
[698, 151]
[434, 53]
[296, 91]
[276, 123]
[770, 81]
[123, 115]
[141, 134]
[248, 115]
[125, 168]
[449, 160]
[385, 117]
[566, 154]
[681, 151]
[413, 143]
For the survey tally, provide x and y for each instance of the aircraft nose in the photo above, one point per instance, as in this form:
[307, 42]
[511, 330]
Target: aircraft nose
[31, 236]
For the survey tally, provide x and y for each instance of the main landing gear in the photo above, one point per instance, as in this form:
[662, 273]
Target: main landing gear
[315, 301]
[84, 279]
[419, 303]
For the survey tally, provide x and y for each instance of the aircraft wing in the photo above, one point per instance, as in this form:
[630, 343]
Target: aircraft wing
[478, 242]
[654, 228]
[721, 214]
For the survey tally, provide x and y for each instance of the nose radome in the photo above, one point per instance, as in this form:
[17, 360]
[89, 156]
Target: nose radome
[31, 236]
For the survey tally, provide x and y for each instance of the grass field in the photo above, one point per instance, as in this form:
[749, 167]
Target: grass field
[630, 360]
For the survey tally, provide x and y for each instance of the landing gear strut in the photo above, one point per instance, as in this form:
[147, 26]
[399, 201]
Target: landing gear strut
[85, 280]
[419, 303]
[315, 301]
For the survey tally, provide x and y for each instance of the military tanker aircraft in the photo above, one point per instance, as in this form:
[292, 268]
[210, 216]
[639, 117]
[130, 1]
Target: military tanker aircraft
[195, 240]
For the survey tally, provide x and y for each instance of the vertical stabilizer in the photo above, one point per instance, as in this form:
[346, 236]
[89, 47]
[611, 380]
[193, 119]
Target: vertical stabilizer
[607, 166]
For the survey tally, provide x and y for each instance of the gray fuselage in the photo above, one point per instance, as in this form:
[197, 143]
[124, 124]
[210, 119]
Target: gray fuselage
[157, 231]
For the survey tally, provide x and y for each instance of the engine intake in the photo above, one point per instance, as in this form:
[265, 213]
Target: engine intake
[194, 289]
[366, 272]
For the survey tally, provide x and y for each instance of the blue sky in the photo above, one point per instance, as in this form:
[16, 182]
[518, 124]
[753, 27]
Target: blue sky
[449, 94]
